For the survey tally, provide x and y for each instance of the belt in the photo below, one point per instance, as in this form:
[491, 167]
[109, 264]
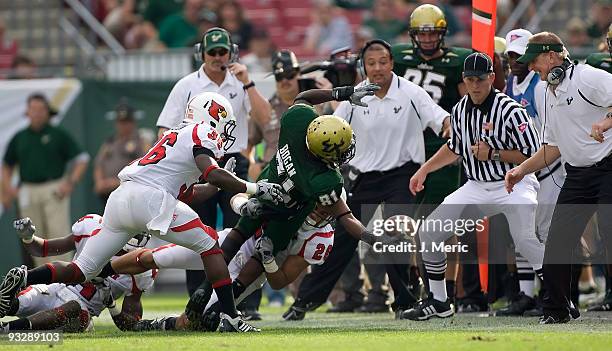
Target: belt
[392, 170]
[603, 161]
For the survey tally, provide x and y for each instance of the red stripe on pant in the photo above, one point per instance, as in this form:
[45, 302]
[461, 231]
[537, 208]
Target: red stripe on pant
[221, 283]
[196, 223]
[76, 271]
[211, 252]
[53, 271]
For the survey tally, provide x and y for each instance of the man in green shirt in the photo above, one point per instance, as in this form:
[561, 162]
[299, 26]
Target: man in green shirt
[42, 152]
[180, 29]
[602, 60]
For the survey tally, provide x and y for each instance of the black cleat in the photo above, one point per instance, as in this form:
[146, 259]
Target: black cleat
[554, 320]
[12, 283]
[428, 308]
[294, 313]
[517, 307]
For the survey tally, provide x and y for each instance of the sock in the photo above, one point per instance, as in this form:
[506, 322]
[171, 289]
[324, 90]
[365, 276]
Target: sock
[225, 295]
[526, 275]
[41, 275]
[20, 324]
[170, 323]
[438, 289]
[238, 288]
[107, 271]
[450, 289]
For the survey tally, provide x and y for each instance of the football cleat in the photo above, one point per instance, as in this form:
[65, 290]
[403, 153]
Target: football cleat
[152, 324]
[604, 306]
[12, 283]
[236, 325]
[554, 320]
[294, 314]
[428, 308]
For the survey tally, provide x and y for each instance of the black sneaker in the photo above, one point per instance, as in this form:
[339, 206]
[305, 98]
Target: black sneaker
[550, 319]
[294, 313]
[345, 307]
[604, 306]
[574, 312]
[236, 325]
[428, 308]
[518, 306]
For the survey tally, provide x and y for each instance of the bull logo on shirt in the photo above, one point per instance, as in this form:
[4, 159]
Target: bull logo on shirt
[216, 110]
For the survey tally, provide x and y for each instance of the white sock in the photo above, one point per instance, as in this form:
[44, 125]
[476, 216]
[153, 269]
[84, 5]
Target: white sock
[438, 289]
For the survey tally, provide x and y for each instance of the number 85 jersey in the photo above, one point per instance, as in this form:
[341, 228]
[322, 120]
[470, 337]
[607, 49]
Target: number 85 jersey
[170, 163]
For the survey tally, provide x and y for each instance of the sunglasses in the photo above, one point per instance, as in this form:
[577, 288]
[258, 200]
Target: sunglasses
[217, 52]
[285, 75]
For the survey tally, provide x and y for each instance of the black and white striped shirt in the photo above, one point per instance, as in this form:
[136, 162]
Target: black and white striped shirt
[500, 122]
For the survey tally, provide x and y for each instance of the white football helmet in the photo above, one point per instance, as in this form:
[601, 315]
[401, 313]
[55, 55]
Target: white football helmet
[215, 110]
[138, 241]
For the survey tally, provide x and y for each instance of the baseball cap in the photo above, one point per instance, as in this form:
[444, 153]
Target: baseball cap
[516, 41]
[477, 64]
[284, 61]
[216, 38]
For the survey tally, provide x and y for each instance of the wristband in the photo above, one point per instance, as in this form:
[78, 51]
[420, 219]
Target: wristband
[270, 267]
[248, 85]
[114, 310]
[251, 188]
[28, 241]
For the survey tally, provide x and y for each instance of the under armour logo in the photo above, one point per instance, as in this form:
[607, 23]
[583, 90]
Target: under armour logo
[366, 112]
[397, 109]
[445, 60]
[232, 95]
[569, 100]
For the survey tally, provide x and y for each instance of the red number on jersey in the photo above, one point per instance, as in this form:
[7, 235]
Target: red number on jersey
[320, 250]
[88, 291]
[158, 152]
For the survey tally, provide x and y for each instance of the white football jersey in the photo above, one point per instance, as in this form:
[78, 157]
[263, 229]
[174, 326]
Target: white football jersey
[313, 244]
[170, 164]
[86, 227]
[92, 295]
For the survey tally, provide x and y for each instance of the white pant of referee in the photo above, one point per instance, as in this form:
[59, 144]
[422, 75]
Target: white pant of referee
[491, 198]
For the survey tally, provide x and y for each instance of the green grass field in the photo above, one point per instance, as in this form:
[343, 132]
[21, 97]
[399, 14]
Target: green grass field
[338, 332]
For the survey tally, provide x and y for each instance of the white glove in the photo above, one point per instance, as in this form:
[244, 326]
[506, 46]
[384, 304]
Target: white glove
[230, 165]
[251, 208]
[264, 249]
[25, 229]
[269, 192]
[361, 92]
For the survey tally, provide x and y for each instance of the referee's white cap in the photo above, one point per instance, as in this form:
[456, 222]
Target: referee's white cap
[516, 41]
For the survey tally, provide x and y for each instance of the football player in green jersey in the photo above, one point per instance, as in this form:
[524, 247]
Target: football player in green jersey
[602, 60]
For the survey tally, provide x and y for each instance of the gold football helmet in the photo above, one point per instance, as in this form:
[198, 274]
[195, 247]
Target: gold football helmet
[331, 139]
[427, 18]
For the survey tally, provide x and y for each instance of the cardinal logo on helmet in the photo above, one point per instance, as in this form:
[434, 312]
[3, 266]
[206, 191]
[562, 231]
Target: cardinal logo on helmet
[216, 110]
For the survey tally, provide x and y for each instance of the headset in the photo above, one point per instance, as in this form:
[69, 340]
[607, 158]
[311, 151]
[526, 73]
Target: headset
[199, 48]
[557, 74]
[360, 61]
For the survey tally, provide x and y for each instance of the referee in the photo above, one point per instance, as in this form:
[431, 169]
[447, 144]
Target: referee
[577, 98]
[490, 133]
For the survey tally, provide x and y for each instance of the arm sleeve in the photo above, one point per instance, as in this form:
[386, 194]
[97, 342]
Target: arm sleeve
[523, 135]
[454, 142]
[327, 188]
[431, 114]
[596, 86]
[174, 109]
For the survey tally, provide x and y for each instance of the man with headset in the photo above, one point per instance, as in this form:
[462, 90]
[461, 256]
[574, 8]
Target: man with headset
[220, 73]
[577, 98]
[390, 148]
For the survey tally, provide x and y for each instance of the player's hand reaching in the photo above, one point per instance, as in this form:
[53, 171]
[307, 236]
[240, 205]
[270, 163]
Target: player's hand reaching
[251, 208]
[513, 176]
[264, 249]
[269, 192]
[354, 95]
[25, 228]
[230, 165]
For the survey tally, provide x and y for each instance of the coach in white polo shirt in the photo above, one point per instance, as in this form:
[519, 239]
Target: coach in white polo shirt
[389, 149]
[232, 81]
[578, 97]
